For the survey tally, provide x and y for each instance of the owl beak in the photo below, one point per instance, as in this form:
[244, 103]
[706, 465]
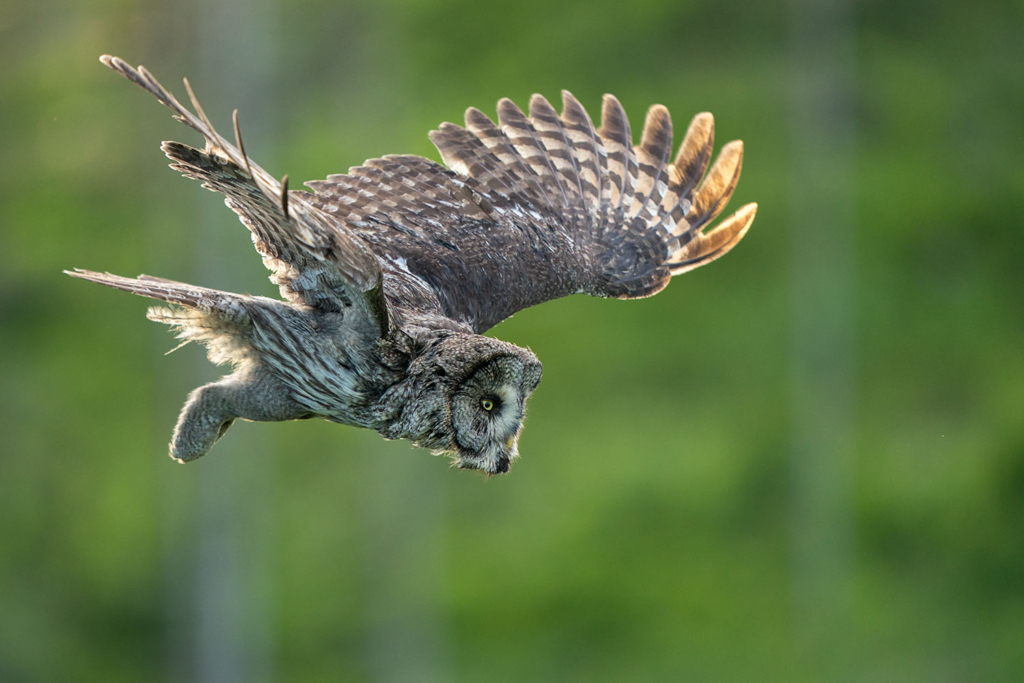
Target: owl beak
[496, 460]
[510, 453]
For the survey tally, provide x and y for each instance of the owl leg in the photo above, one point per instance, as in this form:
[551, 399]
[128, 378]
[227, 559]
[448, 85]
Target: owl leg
[251, 394]
[207, 414]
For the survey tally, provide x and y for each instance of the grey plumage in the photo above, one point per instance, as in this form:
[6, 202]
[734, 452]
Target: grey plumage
[392, 272]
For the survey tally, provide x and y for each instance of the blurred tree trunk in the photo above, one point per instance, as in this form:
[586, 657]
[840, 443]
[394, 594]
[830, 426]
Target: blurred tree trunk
[220, 602]
[822, 273]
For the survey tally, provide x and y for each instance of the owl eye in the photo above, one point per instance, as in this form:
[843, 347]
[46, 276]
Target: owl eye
[487, 404]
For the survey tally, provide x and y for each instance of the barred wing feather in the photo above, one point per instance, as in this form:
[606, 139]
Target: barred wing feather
[314, 259]
[543, 205]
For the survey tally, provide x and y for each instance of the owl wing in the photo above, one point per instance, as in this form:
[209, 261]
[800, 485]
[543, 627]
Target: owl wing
[314, 259]
[541, 206]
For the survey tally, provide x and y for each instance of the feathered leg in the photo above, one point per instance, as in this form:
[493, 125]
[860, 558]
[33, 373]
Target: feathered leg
[207, 414]
[223, 322]
[249, 394]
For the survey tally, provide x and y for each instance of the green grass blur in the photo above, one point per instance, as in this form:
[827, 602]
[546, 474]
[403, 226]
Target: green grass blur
[653, 528]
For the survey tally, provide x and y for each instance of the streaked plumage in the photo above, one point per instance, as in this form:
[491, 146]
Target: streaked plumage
[392, 272]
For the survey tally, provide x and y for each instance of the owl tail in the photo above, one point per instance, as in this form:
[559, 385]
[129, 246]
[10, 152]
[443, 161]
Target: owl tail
[219, 320]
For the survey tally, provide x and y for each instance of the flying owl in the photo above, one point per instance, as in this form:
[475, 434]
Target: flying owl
[392, 273]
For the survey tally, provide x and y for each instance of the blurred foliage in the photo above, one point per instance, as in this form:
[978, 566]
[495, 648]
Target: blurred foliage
[647, 533]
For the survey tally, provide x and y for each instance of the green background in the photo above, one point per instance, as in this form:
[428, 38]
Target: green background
[803, 463]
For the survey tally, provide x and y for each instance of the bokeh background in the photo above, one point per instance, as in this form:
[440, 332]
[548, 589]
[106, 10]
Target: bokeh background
[803, 463]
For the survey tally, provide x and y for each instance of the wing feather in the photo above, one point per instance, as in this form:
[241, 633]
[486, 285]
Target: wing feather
[687, 169]
[465, 154]
[559, 151]
[494, 138]
[542, 206]
[529, 209]
[707, 247]
[621, 160]
[313, 258]
[525, 140]
[652, 155]
[589, 152]
[714, 193]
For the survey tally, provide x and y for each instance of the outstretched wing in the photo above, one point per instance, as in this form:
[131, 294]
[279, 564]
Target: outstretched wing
[314, 258]
[541, 206]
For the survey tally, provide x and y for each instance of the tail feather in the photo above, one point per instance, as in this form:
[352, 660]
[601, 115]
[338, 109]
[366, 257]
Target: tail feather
[218, 320]
[209, 301]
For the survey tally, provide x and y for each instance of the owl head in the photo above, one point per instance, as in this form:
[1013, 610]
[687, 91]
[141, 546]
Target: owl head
[476, 389]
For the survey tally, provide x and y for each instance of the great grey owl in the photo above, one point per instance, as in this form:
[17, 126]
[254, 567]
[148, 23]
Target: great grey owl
[392, 272]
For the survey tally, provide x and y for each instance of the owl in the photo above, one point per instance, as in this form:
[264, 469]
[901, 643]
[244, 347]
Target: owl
[391, 274]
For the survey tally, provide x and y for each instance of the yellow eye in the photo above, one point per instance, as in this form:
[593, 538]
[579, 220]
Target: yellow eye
[487, 404]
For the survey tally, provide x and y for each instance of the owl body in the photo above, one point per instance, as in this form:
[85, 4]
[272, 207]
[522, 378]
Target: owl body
[390, 274]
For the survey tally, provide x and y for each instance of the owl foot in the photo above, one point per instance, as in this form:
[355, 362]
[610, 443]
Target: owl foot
[251, 393]
[203, 421]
